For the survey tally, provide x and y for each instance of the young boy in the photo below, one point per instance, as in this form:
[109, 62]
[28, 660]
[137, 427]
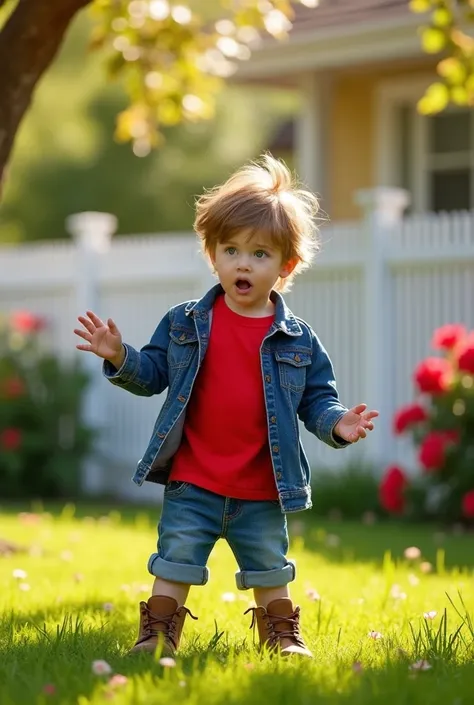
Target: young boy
[240, 370]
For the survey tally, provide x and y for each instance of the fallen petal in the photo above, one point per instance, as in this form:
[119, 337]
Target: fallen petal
[430, 615]
[412, 553]
[49, 689]
[101, 667]
[228, 597]
[375, 635]
[118, 680]
[421, 665]
[167, 662]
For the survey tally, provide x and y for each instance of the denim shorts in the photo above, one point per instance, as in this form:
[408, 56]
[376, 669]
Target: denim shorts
[193, 519]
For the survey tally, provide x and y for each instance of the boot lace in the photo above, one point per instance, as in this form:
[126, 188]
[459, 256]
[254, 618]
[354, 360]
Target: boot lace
[273, 620]
[151, 622]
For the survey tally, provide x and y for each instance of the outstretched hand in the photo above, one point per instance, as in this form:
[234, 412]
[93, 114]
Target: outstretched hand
[104, 339]
[355, 423]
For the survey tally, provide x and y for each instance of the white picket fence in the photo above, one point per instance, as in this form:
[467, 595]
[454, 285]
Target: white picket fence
[378, 289]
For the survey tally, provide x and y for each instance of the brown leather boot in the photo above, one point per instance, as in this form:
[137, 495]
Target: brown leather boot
[279, 627]
[160, 619]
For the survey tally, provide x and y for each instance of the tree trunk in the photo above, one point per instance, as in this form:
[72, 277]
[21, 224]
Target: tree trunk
[29, 42]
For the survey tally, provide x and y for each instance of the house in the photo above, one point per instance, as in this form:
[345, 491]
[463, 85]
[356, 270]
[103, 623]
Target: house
[360, 70]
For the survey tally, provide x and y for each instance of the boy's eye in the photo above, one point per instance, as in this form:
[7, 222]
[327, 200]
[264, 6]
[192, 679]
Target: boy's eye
[231, 250]
[260, 254]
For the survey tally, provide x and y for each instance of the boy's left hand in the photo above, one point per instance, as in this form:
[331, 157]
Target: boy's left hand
[355, 423]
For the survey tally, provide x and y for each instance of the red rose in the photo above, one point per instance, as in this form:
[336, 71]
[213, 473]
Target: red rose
[391, 490]
[408, 416]
[26, 322]
[448, 336]
[10, 439]
[465, 356]
[433, 448]
[468, 504]
[433, 375]
[12, 388]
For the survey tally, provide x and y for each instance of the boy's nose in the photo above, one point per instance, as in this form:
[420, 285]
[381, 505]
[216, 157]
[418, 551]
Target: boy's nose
[243, 265]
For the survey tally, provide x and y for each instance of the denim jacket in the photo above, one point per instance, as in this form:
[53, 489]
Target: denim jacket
[298, 382]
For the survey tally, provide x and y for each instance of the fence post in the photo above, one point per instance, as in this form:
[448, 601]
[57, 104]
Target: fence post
[382, 210]
[92, 233]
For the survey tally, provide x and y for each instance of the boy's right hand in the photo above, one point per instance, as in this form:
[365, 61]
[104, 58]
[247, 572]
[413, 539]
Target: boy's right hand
[104, 339]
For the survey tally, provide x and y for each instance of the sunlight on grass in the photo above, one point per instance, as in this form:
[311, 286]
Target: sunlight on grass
[379, 627]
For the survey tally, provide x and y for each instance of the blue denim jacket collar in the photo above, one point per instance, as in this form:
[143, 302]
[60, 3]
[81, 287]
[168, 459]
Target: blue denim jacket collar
[284, 319]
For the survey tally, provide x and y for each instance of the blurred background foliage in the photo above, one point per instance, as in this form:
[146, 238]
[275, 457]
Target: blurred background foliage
[66, 160]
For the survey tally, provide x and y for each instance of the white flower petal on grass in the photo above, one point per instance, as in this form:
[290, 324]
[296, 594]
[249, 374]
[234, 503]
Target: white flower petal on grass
[413, 580]
[118, 680]
[375, 635]
[108, 606]
[19, 574]
[101, 668]
[412, 553]
[313, 594]
[333, 541]
[426, 567]
[421, 665]
[167, 662]
[397, 593]
[430, 615]
[24, 587]
[228, 597]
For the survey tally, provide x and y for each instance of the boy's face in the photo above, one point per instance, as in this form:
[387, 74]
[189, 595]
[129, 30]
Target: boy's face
[248, 270]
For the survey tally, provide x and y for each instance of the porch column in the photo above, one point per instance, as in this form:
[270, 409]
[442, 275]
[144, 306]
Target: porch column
[312, 134]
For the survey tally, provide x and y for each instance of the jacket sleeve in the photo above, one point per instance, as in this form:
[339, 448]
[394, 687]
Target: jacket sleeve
[320, 408]
[144, 372]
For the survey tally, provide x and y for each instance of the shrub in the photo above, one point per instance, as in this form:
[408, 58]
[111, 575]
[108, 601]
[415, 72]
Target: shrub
[42, 439]
[441, 423]
[350, 492]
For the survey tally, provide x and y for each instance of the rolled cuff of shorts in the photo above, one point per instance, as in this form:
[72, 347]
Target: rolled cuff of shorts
[246, 579]
[177, 572]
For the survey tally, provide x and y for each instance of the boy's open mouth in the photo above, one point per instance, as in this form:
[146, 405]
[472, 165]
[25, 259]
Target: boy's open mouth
[243, 284]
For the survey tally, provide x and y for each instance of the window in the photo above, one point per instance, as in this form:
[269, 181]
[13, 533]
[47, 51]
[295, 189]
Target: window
[436, 162]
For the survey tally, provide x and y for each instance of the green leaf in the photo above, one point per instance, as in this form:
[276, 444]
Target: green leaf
[435, 99]
[433, 40]
[420, 6]
[442, 17]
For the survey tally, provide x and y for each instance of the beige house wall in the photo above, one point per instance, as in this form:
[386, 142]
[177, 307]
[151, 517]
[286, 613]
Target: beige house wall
[352, 138]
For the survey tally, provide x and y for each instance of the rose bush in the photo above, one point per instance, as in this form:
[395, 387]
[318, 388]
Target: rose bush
[42, 439]
[441, 423]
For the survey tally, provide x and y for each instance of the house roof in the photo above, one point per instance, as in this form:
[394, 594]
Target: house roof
[331, 13]
[336, 34]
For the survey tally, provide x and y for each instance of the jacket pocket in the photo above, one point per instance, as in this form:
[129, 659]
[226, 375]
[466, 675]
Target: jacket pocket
[183, 343]
[292, 366]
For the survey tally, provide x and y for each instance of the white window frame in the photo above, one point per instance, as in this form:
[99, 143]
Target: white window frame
[389, 96]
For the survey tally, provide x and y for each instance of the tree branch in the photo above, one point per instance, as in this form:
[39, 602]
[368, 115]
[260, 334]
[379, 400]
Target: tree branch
[29, 41]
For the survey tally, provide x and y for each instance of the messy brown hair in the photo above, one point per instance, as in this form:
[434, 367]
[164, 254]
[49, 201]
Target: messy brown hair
[264, 197]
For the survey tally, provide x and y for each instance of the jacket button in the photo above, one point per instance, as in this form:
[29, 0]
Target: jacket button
[297, 358]
[275, 449]
[278, 475]
[181, 398]
[273, 419]
[182, 336]
[268, 378]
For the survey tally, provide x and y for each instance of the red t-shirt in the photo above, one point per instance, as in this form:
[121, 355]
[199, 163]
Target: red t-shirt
[225, 437]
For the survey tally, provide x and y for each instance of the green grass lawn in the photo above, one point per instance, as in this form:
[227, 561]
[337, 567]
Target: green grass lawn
[86, 572]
